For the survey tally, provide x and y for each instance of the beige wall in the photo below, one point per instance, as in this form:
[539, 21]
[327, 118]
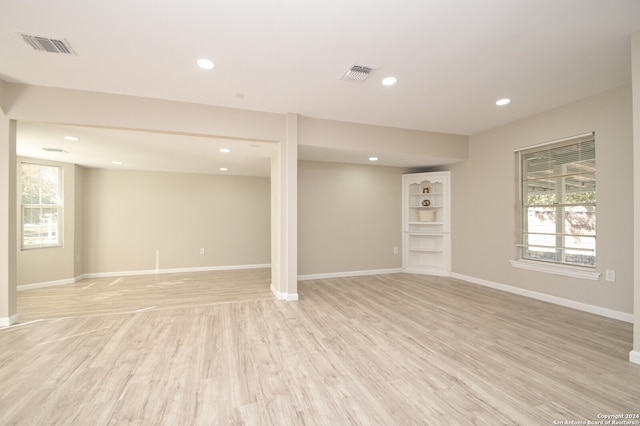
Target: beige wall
[56, 263]
[349, 217]
[484, 200]
[130, 216]
[55, 105]
[123, 221]
[345, 139]
[350, 220]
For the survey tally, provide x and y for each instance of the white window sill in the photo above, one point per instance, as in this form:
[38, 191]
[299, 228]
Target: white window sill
[568, 271]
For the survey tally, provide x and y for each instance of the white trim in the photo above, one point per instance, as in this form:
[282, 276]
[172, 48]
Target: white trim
[348, 274]
[289, 297]
[121, 273]
[609, 313]
[569, 138]
[424, 270]
[144, 272]
[46, 284]
[634, 357]
[550, 268]
[7, 322]
[175, 270]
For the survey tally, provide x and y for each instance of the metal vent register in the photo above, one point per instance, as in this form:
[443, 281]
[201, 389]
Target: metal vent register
[46, 44]
[357, 73]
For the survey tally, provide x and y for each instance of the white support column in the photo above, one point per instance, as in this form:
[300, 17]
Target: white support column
[284, 215]
[634, 355]
[8, 304]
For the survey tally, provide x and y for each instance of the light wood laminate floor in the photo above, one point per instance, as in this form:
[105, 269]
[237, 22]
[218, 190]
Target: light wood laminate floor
[218, 349]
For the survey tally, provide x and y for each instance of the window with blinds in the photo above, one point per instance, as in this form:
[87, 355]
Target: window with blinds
[557, 202]
[41, 206]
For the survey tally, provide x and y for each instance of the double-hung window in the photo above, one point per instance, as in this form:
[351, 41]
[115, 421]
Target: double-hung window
[41, 205]
[557, 203]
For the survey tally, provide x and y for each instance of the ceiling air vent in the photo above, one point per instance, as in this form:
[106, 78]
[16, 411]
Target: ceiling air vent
[46, 44]
[357, 73]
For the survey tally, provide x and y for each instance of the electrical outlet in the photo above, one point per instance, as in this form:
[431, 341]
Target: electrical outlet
[610, 275]
[202, 251]
[395, 250]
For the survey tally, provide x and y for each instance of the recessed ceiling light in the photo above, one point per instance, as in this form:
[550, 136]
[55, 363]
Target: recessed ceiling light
[389, 81]
[205, 64]
[502, 102]
[71, 138]
[55, 150]
[373, 158]
[117, 163]
[225, 150]
[223, 169]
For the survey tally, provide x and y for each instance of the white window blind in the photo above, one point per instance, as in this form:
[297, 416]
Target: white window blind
[557, 202]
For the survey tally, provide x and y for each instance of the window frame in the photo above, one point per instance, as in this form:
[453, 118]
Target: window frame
[560, 267]
[59, 207]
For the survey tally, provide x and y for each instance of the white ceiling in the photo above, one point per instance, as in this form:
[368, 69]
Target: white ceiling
[453, 58]
[136, 150]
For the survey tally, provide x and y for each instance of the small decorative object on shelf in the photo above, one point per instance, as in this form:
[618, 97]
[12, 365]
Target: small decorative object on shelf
[425, 190]
[426, 203]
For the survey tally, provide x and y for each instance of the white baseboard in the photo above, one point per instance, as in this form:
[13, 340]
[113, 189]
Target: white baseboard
[634, 357]
[47, 284]
[424, 271]
[6, 322]
[175, 270]
[289, 297]
[349, 274]
[143, 272]
[609, 313]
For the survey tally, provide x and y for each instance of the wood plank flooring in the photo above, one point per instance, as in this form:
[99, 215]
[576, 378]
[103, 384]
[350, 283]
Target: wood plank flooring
[218, 349]
[99, 296]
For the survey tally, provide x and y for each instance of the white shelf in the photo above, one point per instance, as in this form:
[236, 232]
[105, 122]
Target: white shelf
[426, 244]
